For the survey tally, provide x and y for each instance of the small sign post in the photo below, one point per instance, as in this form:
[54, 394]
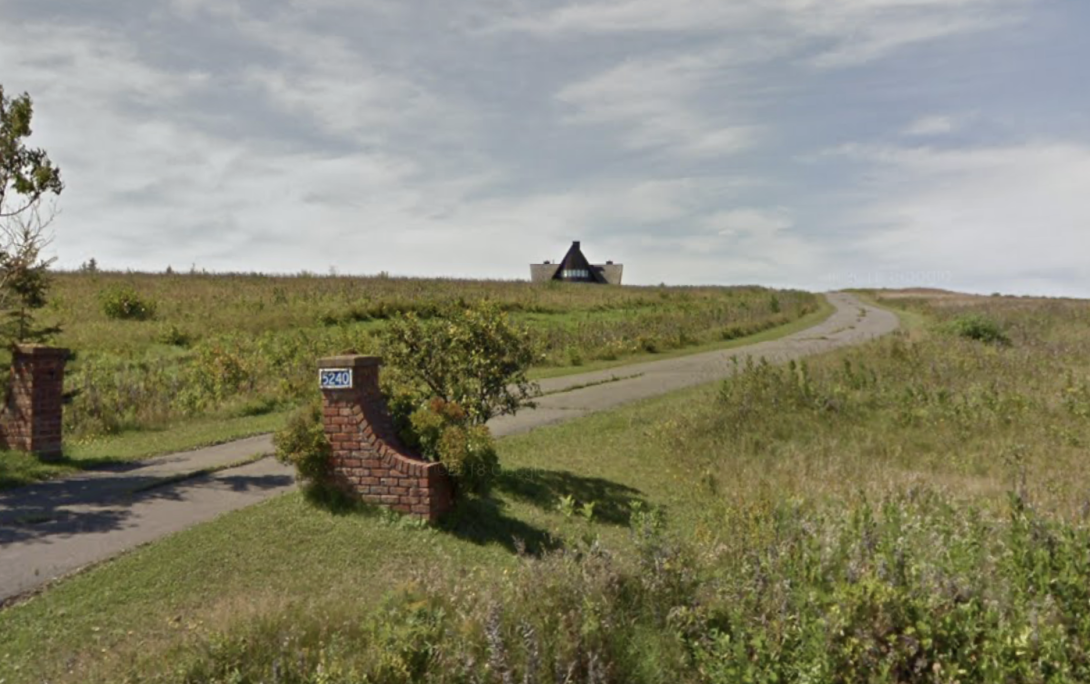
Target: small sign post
[335, 378]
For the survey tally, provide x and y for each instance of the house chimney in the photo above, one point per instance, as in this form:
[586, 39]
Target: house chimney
[575, 243]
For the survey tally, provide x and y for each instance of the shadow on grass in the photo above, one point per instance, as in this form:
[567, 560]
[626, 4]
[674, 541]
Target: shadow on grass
[483, 521]
[19, 469]
[545, 488]
[476, 520]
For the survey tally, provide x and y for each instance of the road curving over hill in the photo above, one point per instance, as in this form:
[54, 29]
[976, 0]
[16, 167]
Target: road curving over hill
[572, 396]
[51, 529]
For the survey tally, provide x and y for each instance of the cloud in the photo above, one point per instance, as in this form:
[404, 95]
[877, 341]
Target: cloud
[844, 33]
[998, 218]
[472, 138]
[931, 126]
[653, 99]
[757, 222]
[663, 102]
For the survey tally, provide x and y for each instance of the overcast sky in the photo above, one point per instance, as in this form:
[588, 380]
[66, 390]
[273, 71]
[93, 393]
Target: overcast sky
[809, 143]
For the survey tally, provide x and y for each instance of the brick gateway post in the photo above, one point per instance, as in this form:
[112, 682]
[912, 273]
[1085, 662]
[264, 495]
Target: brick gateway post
[31, 418]
[368, 458]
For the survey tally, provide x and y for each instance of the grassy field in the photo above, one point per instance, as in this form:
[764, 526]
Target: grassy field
[207, 358]
[89, 452]
[913, 510]
[243, 345]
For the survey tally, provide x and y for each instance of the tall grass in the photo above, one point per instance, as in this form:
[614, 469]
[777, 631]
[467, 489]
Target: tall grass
[914, 510]
[231, 345]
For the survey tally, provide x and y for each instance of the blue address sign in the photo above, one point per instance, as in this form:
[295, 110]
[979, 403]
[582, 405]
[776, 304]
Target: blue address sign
[335, 378]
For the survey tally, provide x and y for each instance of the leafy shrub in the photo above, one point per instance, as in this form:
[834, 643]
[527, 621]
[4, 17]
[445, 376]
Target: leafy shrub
[452, 374]
[123, 302]
[442, 432]
[302, 443]
[110, 395]
[219, 370]
[575, 357]
[979, 327]
[470, 356]
[174, 336]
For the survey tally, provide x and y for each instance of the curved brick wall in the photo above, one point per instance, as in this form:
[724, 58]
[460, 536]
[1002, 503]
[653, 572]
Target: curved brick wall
[368, 458]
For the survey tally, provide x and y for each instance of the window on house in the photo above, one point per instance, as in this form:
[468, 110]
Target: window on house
[575, 273]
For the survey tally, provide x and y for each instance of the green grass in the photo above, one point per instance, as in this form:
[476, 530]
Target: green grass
[913, 506]
[908, 318]
[17, 469]
[235, 345]
[285, 552]
[823, 311]
[91, 451]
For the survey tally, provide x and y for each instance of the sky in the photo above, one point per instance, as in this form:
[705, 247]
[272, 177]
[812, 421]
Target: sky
[817, 144]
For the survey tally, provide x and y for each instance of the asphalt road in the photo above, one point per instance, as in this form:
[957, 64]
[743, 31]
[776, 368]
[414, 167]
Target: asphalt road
[55, 528]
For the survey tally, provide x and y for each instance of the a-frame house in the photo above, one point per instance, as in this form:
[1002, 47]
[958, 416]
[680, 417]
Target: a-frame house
[575, 268]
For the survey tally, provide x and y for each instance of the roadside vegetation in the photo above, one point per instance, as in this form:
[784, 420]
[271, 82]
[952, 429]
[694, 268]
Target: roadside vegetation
[913, 510]
[156, 350]
[162, 361]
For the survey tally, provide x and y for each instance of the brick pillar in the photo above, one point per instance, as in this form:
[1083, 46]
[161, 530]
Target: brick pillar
[31, 420]
[368, 458]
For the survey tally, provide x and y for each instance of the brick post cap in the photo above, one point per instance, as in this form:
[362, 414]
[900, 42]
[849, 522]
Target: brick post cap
[349, 361]
[41, 350]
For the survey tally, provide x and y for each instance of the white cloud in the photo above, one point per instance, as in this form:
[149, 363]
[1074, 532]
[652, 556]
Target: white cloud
[1001, 218]
[615, 16]
[654, 100]
[830, 34]
[661, 101]
[931, 126]
[761, 222]
[319, 133]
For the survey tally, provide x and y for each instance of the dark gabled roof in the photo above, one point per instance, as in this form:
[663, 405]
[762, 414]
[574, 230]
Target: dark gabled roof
[574, 259]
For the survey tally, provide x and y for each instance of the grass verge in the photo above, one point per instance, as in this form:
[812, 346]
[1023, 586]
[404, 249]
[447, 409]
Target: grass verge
[823, 311]
[819, 518]
[18, 469]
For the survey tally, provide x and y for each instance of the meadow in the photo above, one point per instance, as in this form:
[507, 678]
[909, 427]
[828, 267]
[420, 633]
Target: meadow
[153, 349]
[912, 510]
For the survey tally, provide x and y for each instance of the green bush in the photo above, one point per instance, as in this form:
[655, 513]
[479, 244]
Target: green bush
[449, 375]
[442, 432]
[302, 443]
[471, 356]
[123, 302]
[174, 336]
[976, 326]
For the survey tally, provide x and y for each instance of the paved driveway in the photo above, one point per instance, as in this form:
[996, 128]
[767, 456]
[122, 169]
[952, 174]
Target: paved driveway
[54, 528]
